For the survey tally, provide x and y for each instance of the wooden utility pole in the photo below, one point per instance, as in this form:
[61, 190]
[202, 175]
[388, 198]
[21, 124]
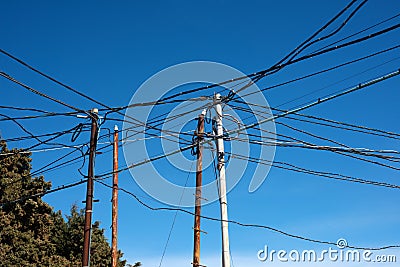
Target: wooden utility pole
[114, 251]
[89, 190]
[226, 257]
[199, 177]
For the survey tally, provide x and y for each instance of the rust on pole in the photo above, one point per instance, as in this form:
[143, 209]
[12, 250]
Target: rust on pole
[114, 251]
[89, 190]
[199, 177]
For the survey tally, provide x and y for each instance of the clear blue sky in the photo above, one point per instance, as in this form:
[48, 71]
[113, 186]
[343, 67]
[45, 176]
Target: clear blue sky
[107, 50]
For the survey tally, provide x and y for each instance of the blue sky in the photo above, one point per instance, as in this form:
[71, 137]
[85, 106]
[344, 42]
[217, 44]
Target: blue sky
[107, 50]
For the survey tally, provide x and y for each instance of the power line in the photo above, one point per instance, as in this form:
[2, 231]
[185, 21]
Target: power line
[182, 93]
[75, 129]
[57, 160]
[49, 77]
[334, 124]
[323, 71]
[280, 65]
[45, 115]
[174, 219]
[332, 33]
[359, 32]
[274, 117]
[359, 40]
[340, 150]
[41, 194]
[262, 73]
[59, 134]
[326, 25]
[62, 164]
[22, 127]
[33, 110]
[319, 101]
[337, 82]
[160, 156]
[5, 75]
[343, 146]
[356, 41]
[330, 175]
[344, 149]
[71, 161]
[123, 141]
[358, 128]
[59, 83]
[244, 224]
[62, 84]
[22, 138]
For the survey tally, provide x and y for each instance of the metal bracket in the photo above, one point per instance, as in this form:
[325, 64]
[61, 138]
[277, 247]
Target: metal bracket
[204, 232]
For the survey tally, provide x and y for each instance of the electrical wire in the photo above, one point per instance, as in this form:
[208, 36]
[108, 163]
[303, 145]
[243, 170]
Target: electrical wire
[326, 25]
[59, 134]
[170, 97]
[45, 115]
[295, 110]
[343, 146]
[22, 127]
[256, 75]
[34, 110]
[5, 75]
[245, 224]
[279, 65]
[337, 82]
[359, 32]
[341, 151]
[174, 219]
[321, 72]
[330, 34]
[48, 77]
[317, 121]
[330, 175]
[41, 194]
[319, 101]
[338, 150]
[59, 83]
[22, 138]
[350, 43]
[339, 125]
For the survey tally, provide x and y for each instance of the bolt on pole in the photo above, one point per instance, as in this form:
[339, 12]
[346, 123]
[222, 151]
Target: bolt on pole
[226, 259]
[89, 190]
[114, 251]
[199, 177]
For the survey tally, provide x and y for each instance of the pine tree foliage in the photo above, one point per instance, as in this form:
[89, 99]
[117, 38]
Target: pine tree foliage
[31, 232]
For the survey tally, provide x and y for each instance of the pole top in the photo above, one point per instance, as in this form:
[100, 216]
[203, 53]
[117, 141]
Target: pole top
[204, 112]
[217, 96]
[116, 128]
[95, 111]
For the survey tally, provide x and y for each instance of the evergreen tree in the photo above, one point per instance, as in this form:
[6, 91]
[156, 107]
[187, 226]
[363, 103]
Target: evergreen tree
[31, 233]
[25, 226]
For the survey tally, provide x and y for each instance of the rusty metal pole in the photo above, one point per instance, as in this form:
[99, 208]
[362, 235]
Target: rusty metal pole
[114, 251]
[89, 191]
[199, 177]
